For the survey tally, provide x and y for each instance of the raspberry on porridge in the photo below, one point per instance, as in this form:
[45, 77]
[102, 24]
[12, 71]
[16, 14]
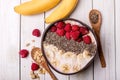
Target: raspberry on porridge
[69, 46]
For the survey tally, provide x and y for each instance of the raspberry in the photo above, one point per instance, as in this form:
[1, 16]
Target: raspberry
[68, 27]
[87, 39]
[34, 66]
[67, 35]
[79, 39]
[24, 53]
[60, 32]
[36, 32]
[75, 35]
[75, 28]
[53, 29]
[60, 25]
[84, 30]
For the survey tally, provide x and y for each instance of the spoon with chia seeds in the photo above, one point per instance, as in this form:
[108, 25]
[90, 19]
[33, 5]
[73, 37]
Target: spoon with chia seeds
[96, 20]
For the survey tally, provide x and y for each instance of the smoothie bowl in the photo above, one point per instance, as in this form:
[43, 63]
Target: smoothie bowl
[69, 46]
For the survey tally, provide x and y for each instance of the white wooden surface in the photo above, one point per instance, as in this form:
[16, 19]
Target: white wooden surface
[15, 33]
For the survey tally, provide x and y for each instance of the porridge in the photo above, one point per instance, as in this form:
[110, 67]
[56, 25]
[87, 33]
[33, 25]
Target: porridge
[69, 46]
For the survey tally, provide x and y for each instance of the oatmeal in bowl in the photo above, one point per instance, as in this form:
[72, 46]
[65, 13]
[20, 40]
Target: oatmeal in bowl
[69, 46]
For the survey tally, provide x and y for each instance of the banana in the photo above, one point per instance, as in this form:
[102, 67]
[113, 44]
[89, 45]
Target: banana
[35, 6]
[55, 62]
[65, 68]
[86, 54]
[63, 10]
[76, 68]
[69, 55]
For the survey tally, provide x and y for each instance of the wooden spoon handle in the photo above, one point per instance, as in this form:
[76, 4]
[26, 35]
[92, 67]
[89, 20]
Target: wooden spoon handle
[100, 51]
[52, 75]
[49, 71]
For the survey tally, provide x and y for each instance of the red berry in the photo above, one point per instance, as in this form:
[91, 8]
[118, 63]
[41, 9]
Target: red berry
[79, 39]
[75, 28]
[68, 27]
[60, 32]
[84, 30]
[36, 32]
[67, 35]
[60, 25]
[24, 53]
[34, 66]
[75, 35]
[53, 29]
[87, 39]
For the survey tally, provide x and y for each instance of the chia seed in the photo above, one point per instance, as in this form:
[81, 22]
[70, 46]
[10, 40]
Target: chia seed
[68, 45]
[94, 18]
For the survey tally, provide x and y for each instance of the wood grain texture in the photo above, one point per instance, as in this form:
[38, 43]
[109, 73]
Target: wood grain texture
[16, 32]
[9, 41]
[106, 7]
[117, 20]
[28, 24]
[82, 13]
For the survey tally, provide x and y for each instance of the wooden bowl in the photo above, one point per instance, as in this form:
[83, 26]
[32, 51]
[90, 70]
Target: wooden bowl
[43, 38]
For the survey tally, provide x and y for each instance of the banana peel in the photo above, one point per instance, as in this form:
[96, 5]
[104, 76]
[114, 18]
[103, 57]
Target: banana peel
[32, 7]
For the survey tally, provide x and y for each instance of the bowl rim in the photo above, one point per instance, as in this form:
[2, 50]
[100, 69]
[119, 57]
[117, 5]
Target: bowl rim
[42, 48]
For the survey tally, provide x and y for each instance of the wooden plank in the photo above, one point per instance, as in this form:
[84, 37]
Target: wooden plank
[9, 42]
[108, 42]
[59, 76]
[28, 24]
[81, 13]
[117, 39]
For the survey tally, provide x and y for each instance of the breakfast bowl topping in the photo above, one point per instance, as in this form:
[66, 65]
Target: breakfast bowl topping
[69, 46]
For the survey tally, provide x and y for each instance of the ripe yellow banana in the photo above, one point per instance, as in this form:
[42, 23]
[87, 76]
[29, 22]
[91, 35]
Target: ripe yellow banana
[62, 11]
[35, 6]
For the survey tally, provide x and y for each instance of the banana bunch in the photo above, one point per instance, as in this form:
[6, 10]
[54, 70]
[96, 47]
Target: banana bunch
[39, 6]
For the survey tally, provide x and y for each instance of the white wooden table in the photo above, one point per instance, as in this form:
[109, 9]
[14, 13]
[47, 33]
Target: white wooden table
[15, 33]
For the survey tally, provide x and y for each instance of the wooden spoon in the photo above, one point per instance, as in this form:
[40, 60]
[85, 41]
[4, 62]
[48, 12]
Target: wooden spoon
[37, 56]
[96, 20]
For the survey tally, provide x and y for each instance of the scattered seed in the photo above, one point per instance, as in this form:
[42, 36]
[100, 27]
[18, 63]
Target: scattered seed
[34, 75]
[41, 71]
[33, 40]
[28, 44]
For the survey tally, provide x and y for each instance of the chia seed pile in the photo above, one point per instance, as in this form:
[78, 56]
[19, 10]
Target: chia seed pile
[68, 45]
[94, 17]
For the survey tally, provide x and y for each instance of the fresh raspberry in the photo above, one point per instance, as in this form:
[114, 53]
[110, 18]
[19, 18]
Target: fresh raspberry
[53, 29]
[67, 35]
[68, 27]
[24, 53]
[60, 25]
[60, 32]
[75, 28]
[84, 30]
[34, 66]
[36, 32]
[75, 35]
[87, 39]
[79, 39]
